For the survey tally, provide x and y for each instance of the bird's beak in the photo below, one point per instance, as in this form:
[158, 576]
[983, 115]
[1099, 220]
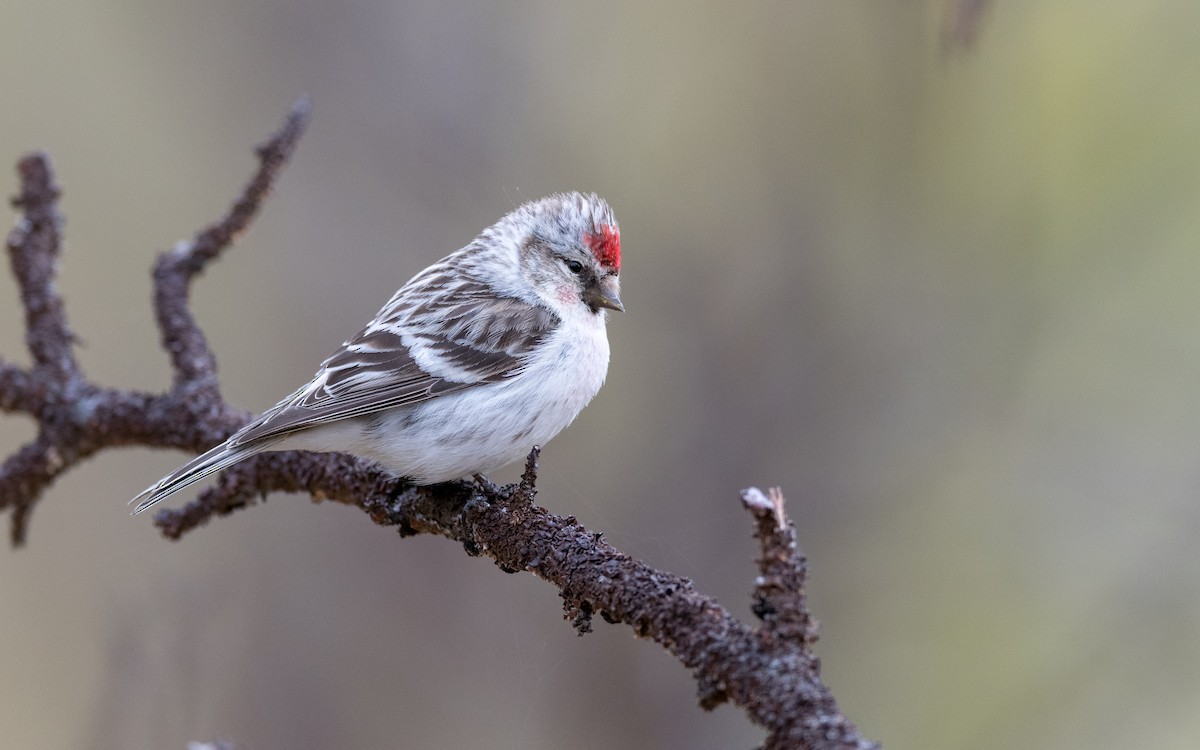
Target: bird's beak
[604, 293]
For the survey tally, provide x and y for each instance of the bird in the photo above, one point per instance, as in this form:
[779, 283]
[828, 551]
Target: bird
[489, 351]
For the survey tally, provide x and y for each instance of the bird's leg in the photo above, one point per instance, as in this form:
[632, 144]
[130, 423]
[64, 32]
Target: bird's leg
[486, 486]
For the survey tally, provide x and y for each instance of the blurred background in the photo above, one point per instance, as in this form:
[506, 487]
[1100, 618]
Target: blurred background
[943, 290]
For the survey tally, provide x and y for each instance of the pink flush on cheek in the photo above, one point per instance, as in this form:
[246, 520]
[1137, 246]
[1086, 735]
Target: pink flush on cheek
[606, 246]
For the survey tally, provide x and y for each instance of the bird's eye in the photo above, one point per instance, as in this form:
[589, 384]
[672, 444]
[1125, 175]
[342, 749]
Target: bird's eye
[573, 266]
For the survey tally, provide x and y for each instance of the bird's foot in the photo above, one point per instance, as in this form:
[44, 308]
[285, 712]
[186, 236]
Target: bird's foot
[486, 486]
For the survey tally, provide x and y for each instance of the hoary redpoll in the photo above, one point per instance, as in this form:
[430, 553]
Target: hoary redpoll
[486, 353]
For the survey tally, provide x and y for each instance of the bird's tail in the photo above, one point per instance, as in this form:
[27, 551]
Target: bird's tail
[221, 457]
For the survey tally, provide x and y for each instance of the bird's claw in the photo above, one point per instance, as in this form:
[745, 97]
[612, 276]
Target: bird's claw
[485, 486]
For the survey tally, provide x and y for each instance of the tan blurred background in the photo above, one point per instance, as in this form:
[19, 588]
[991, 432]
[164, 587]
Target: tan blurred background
[949, 301]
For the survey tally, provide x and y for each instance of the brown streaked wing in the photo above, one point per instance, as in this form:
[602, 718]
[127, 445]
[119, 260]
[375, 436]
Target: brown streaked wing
[374, 370]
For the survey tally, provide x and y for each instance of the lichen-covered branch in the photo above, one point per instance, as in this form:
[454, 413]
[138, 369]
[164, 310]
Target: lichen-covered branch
[767, 668]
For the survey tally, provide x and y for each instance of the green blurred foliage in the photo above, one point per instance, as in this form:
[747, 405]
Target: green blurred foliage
[945, 296]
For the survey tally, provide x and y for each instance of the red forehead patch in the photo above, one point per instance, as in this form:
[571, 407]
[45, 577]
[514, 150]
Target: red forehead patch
[606, 246]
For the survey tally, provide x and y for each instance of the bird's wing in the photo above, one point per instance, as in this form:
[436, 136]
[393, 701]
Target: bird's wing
[427, 342]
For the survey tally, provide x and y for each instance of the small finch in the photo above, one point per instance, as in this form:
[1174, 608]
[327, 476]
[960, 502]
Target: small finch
[486, 353]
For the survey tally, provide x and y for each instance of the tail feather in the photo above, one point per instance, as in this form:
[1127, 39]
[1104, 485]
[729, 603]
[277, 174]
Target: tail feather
[221, 457]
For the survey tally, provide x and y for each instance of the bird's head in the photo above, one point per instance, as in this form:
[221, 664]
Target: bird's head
[570, 253]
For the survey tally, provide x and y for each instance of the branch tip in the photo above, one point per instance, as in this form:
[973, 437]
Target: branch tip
[37, 180]
[754, 499]
[527, 489]
[761, 504]
[192, 361]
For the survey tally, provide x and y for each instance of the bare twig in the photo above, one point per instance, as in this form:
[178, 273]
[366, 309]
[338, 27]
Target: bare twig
[769, 670]
[779, 599]
[54, 380]
[193, 363]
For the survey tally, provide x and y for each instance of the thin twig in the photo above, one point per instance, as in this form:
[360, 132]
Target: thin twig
[192, 361]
